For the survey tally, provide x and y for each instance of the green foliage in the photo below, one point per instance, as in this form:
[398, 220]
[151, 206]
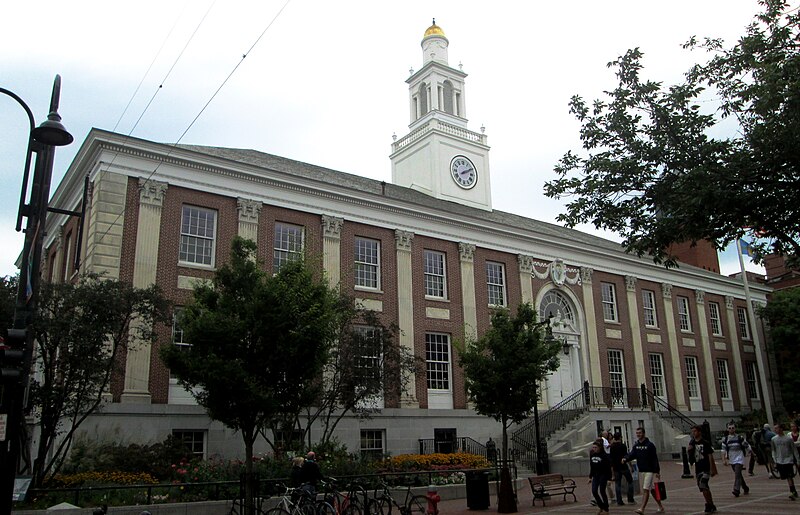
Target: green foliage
[653, 173]
[782, 313]
[80, 329]
[8, 300]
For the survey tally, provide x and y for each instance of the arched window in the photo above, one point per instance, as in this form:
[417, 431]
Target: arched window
[448, 97]
[423, 99]
[555, 305]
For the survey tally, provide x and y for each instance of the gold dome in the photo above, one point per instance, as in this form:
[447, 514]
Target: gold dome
[434, 30]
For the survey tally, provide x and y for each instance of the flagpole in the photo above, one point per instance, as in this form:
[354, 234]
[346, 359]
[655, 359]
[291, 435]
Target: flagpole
[756, 338]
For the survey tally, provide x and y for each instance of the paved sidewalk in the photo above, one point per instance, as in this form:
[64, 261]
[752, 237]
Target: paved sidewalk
[767, 496]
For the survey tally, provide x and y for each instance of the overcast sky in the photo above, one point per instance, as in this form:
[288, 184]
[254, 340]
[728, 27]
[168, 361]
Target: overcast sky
[325, 84]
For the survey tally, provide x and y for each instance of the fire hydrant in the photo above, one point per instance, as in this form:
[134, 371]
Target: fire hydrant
[433, 500]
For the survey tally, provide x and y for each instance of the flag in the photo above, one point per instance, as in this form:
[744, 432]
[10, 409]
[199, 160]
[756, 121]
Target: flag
[744, 247]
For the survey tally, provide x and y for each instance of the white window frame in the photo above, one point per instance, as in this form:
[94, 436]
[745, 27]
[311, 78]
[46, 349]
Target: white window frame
[684, 314]
[435, 274]
[724, 379]
[438, 362]
[369, 364]
[608, 293]
[496, 283]
[715, 318]
[285, 245]
[692, 377]
[649, 308]
[373, 443]
[367, 263]
[744, 323]
[752, 380]
[190, 439]
[198, 236]
[658, 384]
[616, 370]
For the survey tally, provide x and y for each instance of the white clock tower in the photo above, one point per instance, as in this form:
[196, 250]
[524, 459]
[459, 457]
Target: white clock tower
[439, 156]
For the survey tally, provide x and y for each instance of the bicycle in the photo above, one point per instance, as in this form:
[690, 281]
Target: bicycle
[383, 502]
[300, 501]
[351, 501]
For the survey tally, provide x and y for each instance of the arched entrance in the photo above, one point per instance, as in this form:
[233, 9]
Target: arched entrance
[565, 324]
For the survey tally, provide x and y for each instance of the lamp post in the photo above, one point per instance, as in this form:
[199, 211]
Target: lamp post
[542, 464]
[42, 141]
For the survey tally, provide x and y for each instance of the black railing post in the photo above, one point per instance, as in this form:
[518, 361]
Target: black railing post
[687, 474]
[587, 399]
[644, 395]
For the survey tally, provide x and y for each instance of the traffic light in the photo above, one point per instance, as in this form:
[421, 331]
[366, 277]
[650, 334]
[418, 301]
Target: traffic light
[12, 355]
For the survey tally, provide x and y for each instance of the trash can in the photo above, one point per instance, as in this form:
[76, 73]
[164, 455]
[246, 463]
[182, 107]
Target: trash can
[477, 485]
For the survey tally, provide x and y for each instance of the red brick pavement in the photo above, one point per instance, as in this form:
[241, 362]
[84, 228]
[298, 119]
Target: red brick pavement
[767, 496]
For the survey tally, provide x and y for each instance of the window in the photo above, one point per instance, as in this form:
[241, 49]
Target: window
[193, 440]
[178, 336]
[649, 306]
[198, 227]
[683, 314]
[752, 380]
[716, 321]
[288, 245]
[288, 439]
[372, 444]
[367, 356]
[609, 302]
[744, 324]
[722, 376]
[368, 268]
[657, 375]
[437, 358]
[692, 385]
[435, 280]
[495, 279]
[616, 371]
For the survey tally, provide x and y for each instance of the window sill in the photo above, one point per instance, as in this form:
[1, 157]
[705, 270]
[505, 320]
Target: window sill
[367, 289]
[437, 299]
[612, 322]
[195, 266]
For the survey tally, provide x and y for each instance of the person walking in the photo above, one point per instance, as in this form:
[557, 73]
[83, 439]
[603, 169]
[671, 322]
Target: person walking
[766, 437]
[310, 473]
[786, 456]
[734, 450]
[606, 436]
[702, 455]
[646, 455]
[621, 470]
[755, 451]
[599, 474]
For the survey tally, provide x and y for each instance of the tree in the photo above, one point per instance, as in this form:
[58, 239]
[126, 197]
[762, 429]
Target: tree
[366, 364]
[652, 171]
[782, 313]
[8, 301]
[80, 330]
[258, 344]
[503, 369]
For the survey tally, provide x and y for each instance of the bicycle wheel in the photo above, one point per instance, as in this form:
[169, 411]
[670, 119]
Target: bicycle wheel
[325, 508]
[278, 510]
[773, 469]
[418, 505]
[379, 506]
[352, 508]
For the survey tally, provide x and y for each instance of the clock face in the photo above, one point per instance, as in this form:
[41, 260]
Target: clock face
[463, 172]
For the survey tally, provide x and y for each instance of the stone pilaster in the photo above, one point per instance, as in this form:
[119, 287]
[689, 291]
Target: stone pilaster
[706, 344]
[636, 329]
[405, 308]
[674, 349]
[736, 350]
[137, 365]
[332, 248]
[249, 211]
[467, 258]
[591, 358]
[525, 270]
[105, 224]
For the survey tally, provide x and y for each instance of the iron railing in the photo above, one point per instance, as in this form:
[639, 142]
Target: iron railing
[447, 446]
[616, 398]
[666, 411]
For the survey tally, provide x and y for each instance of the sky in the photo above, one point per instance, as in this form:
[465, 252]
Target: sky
[323, 82]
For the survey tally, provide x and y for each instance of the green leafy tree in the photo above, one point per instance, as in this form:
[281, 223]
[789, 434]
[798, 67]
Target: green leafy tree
[8, 300]
[80, 330]
[258, 343]
[782, 313]
[503, 369]
[651, 170]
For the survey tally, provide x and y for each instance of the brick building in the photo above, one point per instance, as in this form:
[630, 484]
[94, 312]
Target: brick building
[427, 251]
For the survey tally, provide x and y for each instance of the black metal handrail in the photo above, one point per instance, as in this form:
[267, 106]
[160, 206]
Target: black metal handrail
[447, 446]
[610, 397]
[555, 418]
[666, 411]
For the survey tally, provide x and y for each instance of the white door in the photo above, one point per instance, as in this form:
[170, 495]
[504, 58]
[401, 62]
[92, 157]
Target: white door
[693, 384]
[559, 383]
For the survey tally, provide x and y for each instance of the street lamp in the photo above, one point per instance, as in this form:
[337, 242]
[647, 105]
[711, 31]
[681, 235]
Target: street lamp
[542, 464]
[42, 141]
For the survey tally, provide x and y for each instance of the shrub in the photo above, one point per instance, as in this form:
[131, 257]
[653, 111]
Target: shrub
[414, 462]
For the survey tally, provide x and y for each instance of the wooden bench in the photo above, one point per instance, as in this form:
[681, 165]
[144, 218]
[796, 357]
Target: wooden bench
[552, 484]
